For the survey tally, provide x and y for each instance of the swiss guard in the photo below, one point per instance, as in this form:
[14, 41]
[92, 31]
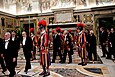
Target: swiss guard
[82, 44]
[44, 54]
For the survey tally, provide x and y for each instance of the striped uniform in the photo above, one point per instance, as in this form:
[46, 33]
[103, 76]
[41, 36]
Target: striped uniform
[82, 46]
[44, 54]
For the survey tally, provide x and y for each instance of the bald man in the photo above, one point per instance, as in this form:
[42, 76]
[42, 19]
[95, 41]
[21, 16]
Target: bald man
[9, 54]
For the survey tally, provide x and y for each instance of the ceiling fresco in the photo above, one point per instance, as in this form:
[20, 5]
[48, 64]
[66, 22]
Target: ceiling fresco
[44, 6]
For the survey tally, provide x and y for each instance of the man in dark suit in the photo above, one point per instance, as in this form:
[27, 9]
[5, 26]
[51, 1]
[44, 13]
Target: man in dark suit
[9, 54]
[27, 48]
[57, 40]
[112, 42]
[103, 39]
[54, 34]
[68, 46]
[16, 42]
[1, 56]
[109, 45]
[92, 46]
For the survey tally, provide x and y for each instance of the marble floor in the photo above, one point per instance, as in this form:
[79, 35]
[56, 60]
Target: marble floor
[101, 68]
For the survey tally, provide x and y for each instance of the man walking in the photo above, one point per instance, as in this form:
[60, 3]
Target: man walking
[9, 54]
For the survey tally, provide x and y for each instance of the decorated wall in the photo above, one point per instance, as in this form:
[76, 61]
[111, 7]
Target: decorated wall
[8, 23]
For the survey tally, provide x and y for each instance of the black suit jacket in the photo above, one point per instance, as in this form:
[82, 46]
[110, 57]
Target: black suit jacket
[57, 41]
[16, 42]
[112, 38]
[103, 37]
[9, 53]
[92, 41]
[1, 46]
[28, 47]
[28, 44]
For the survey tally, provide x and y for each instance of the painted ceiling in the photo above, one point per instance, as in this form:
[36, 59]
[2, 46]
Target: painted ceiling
[18, 7]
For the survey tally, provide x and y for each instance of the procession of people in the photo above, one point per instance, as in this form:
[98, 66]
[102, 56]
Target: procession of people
[63, 45]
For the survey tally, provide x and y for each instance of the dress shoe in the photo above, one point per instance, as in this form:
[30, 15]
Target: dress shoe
[80, 63]
[31, 59]
[26, 71]
[84, 64]
[53, 61]
[43, 73]
[4, 70]
[102, 56]
[69, 62]
[47, 74]
[60, 62]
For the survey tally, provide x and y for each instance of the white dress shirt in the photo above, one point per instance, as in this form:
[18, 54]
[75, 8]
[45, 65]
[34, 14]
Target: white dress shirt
[24, 40]
[6, 43]
[13, 38]
[65, 37]
[55, 35]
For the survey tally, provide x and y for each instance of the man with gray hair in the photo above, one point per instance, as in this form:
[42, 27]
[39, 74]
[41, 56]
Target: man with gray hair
[67, 47]
[92, 45]
[9, 54]
[27, 45]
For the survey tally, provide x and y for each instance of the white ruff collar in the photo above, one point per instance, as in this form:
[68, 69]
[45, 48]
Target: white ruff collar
[43, 32]
[80, 32]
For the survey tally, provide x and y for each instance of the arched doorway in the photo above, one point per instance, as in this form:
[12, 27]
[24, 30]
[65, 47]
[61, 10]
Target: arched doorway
[103, 20]
[27, 27]
[106, 22]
